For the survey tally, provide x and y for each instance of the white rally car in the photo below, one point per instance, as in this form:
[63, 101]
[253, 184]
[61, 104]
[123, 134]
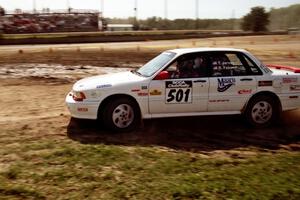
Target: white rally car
[189, 82]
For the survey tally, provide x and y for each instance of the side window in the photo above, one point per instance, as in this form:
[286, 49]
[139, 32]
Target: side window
[237, 67]
[253, 67]
[172, 69]
[188, 66]
[227, 64]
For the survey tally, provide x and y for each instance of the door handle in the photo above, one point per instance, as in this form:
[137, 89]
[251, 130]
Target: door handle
[200, 81]
[247, 79]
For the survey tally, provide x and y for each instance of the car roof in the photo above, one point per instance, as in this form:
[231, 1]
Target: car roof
[195, 50]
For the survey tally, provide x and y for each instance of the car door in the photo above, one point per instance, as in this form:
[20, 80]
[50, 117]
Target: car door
[184, 91]
[232, 81]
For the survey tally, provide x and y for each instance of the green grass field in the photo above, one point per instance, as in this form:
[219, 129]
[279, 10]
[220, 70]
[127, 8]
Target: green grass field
[53, 167]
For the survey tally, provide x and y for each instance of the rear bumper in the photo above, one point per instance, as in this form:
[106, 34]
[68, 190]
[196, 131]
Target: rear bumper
[82, 110]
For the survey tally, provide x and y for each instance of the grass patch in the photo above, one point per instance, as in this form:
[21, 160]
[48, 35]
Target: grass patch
[77, 171]
[19, 192]
[62, 168]
[12, 172]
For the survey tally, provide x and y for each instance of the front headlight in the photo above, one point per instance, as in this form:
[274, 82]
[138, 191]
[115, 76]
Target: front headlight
[78, 96]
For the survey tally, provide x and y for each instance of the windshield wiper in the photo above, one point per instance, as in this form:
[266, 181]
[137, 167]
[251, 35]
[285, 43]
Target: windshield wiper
[136, 72]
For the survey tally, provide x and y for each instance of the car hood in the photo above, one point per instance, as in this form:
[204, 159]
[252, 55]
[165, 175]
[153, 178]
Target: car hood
[106, 81]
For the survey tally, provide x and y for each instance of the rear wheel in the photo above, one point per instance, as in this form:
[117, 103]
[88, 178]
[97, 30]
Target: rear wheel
[121, 115]
[262, 111]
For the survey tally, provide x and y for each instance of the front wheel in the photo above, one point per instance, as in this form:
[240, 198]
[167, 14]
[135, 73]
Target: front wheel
[262, 111]
[121, 115]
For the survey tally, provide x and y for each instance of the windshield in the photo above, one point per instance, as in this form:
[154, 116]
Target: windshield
[156, 63]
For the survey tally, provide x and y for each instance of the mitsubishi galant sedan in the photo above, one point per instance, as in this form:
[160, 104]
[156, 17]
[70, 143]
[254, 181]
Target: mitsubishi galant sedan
[189, 82]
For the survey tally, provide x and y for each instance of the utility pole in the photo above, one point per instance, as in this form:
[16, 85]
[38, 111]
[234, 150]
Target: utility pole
[135, 9]
[102, 7]
[34, 6]
[166, 9]
[68, 6]
[197, 14]
[165, 21]
[233, 19]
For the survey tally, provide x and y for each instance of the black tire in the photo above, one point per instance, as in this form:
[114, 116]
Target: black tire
[121, 115]
[262, 111]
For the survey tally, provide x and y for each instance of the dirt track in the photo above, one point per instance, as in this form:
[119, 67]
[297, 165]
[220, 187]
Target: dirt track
[32, 100]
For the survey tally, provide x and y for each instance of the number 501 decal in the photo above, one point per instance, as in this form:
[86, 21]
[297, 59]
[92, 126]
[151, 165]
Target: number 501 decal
[178, 92]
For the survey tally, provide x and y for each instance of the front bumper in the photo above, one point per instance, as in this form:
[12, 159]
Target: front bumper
[82, 110]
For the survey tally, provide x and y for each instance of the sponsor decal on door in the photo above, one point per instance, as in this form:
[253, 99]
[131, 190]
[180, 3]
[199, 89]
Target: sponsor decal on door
[155, 92]
[245, 91]
[225, 83]
[289, 80]
[295, 87]
[265, 83]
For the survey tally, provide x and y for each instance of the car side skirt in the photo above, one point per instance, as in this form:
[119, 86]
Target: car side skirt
[149, 116]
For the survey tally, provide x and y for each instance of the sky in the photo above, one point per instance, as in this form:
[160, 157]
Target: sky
[148, 8]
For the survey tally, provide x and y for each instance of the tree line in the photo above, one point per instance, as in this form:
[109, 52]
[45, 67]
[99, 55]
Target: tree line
[284, 18]
[258, 19]
[158, 23]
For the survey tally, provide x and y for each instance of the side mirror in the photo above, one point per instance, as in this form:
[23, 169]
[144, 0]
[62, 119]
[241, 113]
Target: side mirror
[162, 75]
